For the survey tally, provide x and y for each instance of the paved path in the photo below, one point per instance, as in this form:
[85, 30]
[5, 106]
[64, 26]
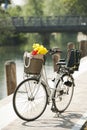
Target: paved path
[72, 119]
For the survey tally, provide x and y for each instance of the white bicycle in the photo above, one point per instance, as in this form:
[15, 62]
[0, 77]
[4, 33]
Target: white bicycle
[33, 94]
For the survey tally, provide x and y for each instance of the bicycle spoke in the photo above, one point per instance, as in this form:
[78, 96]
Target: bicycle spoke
[30, 99]
[63, 93]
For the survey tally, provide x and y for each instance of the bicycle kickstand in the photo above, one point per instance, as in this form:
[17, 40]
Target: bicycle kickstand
[55, 110]
[57, 115]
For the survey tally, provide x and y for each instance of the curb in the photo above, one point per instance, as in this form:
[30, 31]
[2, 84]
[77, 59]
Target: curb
[81, 122]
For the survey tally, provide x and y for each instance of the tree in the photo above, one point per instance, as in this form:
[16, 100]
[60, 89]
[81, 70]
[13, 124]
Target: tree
[1, 1]
[75, 7]
[14, 11]
[33, 8]
[6, 26]
[54, 7]
[6, 2]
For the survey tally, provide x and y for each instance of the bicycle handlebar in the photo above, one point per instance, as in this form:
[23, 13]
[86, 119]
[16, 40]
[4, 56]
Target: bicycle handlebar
[51, 51]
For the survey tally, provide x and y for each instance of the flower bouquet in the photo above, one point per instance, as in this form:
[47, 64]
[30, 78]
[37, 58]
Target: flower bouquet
[34, 59]
[39, 49]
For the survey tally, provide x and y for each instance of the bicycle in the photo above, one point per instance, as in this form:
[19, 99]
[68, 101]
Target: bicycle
[33, 94]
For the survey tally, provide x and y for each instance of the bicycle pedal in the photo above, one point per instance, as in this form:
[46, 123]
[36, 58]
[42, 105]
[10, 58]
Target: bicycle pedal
[61, 92]
[68, 83]
[53, 79]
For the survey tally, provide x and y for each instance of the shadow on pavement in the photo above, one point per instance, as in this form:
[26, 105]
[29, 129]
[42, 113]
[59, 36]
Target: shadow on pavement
[66, 120]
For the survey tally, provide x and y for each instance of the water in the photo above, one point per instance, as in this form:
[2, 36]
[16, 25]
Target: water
[13, 53]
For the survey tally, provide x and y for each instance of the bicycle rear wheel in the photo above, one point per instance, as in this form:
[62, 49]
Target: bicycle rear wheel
[30, 99]
[63, 93]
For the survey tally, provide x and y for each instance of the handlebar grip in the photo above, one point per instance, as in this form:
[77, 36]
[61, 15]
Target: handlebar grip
[54, 51]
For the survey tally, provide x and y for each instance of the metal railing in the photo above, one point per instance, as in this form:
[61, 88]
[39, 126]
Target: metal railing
[49, 23]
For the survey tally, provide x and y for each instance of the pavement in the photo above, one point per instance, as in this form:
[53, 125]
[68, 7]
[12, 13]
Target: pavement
[72, 119]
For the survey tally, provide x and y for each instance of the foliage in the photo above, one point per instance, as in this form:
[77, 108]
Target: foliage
[75, 7]
[54, 8]
[33, 8]
[14, 11]
[6, 26]
[65, 7]
[1, 1]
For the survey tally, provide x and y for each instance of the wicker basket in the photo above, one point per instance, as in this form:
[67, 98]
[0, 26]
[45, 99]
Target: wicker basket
[33, 65]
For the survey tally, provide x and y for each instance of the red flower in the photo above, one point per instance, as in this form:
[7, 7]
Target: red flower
[34, 52]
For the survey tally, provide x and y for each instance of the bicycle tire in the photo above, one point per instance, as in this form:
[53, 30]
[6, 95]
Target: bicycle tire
[30, 99]
[63, 93]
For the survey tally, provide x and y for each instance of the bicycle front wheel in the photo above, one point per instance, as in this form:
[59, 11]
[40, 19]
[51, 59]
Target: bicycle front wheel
[63, 93]
[30, 99]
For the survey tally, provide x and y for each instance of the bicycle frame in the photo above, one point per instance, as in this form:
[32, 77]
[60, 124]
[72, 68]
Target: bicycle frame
[44, 80]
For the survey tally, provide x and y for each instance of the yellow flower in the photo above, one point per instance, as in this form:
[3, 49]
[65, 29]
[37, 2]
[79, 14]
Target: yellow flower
[35, 45]
[40, 48]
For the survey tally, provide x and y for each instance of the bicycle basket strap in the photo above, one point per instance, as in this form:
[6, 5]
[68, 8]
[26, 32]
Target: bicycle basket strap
[27, 58]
